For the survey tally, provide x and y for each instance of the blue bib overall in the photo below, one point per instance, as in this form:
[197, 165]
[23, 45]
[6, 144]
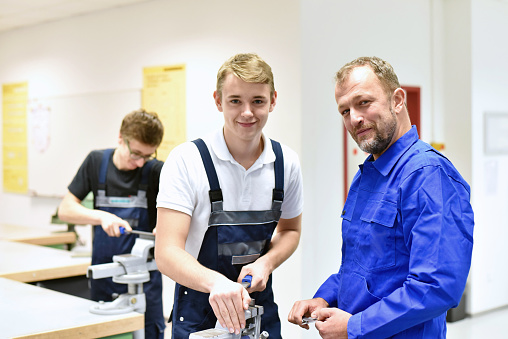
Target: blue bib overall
[232, 240]
[133, 209]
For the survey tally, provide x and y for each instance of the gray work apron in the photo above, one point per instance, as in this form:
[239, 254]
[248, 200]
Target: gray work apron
[133, 209]
[232, 240]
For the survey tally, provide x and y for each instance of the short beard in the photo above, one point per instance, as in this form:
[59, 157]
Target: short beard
[381, 141]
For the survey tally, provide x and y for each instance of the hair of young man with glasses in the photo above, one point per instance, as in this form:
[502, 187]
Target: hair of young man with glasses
[145, 127]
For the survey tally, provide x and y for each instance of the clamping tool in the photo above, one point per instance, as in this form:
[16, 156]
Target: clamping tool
[252, 328]
[131, 269]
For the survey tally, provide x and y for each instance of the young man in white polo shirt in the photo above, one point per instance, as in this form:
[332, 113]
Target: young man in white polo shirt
[221, 198]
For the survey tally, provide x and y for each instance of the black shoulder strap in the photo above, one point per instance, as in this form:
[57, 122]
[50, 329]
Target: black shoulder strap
[278, 191]
[215, 191]
[145, 174]
[103, 170]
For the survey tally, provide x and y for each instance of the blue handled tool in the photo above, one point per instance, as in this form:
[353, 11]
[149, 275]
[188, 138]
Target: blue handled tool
[148, 235]
[246, 281]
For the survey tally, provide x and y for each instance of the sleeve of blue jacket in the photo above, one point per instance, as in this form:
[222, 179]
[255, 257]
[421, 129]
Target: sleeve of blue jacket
[329, 290]
[437, 221]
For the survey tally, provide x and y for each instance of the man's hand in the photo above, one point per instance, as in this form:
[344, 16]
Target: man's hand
[260, 274]
[229, 300]
[306, 308]
[71, 211]
[111, 224]
[332, 323]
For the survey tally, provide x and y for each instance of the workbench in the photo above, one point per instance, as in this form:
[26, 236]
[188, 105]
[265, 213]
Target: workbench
[32, 312]
[40, 235]
[32, 263]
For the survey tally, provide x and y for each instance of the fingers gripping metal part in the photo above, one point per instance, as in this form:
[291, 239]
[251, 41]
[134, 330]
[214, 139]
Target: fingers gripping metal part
[252, 328]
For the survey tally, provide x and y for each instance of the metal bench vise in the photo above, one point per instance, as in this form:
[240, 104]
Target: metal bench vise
[252, 328]
[131, 269]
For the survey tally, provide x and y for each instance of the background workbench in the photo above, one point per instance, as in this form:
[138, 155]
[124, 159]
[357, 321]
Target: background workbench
[32, 312]
[40, 235]
[32, 263]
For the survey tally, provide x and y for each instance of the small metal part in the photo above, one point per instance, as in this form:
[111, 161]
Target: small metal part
[308, 320]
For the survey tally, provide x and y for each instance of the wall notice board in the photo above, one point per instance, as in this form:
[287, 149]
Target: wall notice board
[63, 130]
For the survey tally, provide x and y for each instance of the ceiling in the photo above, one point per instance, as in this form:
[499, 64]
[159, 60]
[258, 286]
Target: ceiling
[21, 13]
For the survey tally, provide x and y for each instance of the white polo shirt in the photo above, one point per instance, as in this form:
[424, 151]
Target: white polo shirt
[184, 184]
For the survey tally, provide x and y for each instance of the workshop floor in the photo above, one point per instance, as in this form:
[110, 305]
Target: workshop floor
[490, 325]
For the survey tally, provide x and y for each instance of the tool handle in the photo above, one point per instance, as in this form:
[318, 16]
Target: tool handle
[144, 234]
[246, 281]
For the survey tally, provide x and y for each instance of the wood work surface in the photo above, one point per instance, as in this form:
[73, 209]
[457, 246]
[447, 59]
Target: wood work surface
[33, 312]
[40, 235]
[30, 263]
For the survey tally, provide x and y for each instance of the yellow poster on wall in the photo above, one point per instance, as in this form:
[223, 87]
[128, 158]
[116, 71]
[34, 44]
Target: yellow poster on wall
[164, 93]
[15, 139]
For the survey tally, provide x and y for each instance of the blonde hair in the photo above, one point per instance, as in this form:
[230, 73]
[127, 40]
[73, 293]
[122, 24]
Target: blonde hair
[249, 67]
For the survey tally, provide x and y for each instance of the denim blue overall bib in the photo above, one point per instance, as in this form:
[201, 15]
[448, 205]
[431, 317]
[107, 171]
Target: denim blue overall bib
[232, 240]
[133, 209]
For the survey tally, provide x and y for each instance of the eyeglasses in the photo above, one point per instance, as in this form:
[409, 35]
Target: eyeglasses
[136, 156]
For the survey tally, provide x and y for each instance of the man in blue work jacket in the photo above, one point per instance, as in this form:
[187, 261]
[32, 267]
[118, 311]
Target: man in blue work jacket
[407, 224]
[125, 183]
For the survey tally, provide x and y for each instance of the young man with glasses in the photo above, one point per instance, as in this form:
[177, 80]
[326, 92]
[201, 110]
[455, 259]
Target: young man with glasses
[125, 184]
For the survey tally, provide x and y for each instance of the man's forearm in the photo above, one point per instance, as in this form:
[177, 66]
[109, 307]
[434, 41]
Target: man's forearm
[183, 268]
[75, 213]
[282, 246]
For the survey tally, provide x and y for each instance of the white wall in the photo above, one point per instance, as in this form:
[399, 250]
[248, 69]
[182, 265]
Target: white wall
[333, 33]
[456, 57]
[489, 90]
[457, 84]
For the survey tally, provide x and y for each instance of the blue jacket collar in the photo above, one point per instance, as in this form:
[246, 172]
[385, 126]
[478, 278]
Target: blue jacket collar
[385, 163]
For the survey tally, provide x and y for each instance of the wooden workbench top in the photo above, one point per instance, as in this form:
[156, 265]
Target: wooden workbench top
[29, 311]
[29, 263]
[38, 235]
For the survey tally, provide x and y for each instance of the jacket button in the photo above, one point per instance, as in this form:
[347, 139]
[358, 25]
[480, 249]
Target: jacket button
[181, 318]
[343, 212]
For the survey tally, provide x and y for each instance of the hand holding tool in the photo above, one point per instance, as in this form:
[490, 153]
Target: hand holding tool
[252, 328]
